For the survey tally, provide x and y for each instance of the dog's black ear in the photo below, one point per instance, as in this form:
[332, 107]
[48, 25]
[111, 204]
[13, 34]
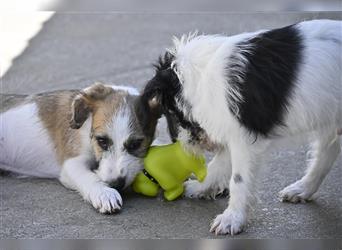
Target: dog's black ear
[152, 99]
[155, 102]
[80, 111]
[172, 124]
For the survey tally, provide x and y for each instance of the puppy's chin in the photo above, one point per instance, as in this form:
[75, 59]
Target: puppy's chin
[133, 169]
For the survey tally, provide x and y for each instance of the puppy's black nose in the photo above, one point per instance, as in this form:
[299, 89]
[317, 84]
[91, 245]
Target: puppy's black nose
[118, 184]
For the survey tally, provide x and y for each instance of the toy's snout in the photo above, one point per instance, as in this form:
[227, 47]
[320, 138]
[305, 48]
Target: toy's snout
[145, 186]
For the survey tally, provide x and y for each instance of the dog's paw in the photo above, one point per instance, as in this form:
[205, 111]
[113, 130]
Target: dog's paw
[106, 200]
[194, 189]
[229, 222]
[197, 190]
[296, 192]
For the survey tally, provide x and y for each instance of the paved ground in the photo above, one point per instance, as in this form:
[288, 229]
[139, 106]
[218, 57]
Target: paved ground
[73, 50]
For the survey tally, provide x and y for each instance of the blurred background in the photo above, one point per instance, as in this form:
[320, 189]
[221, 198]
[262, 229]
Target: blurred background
[48, 45]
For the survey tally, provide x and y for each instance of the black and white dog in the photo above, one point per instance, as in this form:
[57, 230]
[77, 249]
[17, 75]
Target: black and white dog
[242, 93]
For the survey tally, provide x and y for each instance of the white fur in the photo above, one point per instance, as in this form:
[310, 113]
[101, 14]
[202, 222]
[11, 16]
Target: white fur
[25, 144]
[315, 110]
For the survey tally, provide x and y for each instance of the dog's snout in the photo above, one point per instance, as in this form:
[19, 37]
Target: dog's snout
[118, 184]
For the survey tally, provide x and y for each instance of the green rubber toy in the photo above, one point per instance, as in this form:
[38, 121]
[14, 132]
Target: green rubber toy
[168, 166]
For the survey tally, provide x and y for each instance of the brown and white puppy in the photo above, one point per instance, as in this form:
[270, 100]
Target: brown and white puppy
[77, 136]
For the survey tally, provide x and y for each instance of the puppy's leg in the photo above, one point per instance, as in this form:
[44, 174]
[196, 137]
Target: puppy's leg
[217, 180]
[245, 159]
[77, 175]
[324, 153]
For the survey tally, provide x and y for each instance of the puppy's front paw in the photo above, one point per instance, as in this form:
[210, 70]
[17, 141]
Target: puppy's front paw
[229, 222]
[296, 192]
[105, 199]
[196, 189]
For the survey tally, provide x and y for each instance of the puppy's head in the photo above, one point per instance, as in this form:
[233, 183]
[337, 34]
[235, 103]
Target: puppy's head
[163, 96]
[110, 114]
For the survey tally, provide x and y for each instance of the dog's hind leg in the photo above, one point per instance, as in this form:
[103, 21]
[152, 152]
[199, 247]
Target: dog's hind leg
[323, 154]
[217, 180]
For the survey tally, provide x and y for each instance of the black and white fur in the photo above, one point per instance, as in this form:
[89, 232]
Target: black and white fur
[245, 92]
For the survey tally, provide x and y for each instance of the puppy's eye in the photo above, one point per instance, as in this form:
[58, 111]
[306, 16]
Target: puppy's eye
[133, 144]
[104, 142]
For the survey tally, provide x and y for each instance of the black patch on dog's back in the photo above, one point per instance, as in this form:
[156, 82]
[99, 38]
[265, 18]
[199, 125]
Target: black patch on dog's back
[269, 76]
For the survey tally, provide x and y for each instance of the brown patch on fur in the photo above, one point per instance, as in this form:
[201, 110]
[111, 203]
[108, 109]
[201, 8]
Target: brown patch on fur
[55, 112]
[64, 112]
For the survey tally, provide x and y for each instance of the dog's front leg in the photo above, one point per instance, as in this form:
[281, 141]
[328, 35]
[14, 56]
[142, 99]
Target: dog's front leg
[217, 180]
[244, 163]
[76, 175]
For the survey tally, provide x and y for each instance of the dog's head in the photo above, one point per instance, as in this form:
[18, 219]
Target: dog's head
[163, 96]
[117, 141]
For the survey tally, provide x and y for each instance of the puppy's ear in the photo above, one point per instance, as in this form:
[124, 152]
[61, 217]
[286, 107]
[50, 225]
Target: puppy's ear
[172, 124]
[155, 102]
[84, 103]
[156, 107]
[151, 99]
[97, 91]
[80, 110]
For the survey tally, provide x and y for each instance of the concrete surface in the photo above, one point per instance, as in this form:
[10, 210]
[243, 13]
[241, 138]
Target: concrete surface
[73, 50]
